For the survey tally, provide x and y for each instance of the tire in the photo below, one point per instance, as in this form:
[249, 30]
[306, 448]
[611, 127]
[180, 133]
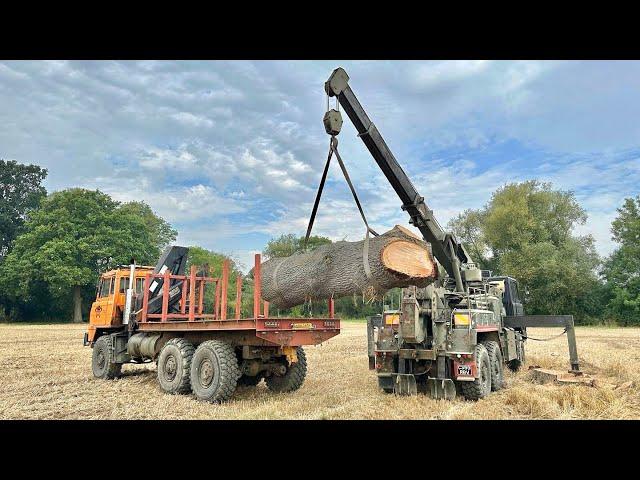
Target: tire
[214, 371]
[497, 365]
[174, 365]
[480, 387]
[294, 376]
[249, 381]
[102, 362]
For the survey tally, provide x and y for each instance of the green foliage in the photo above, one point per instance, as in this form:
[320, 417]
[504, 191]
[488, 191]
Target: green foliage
[468, 229]
[75, 235]
[20, 193]
[525, 231]
[622, 268]
[162, 233]
[287, 245]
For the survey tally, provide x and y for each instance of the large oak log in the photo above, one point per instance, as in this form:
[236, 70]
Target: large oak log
[397, 258]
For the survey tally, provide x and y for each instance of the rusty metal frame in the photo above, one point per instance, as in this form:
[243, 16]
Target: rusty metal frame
[283, 331]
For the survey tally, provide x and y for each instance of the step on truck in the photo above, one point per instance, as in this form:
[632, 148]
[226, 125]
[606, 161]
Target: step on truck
[145, 314]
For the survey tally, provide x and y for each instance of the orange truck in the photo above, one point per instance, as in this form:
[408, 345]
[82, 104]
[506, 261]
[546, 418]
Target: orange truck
[144, 314]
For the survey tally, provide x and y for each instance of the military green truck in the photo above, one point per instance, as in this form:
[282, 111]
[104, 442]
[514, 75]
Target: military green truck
[456, 335]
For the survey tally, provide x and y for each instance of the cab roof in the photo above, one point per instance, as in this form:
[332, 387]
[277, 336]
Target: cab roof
[125, 268]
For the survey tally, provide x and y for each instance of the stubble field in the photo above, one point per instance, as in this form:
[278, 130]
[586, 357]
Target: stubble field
[45, 373]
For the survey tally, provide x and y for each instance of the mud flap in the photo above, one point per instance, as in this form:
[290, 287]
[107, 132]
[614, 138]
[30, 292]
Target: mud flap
[441, 388]
[404, 384]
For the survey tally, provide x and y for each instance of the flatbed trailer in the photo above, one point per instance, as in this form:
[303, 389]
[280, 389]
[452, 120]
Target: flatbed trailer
[206, 353]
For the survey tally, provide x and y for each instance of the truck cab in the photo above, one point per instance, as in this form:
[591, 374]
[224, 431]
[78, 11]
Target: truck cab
[107, 309]
[510, 295]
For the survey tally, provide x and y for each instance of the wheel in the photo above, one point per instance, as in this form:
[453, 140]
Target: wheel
[497, 367]
[481, 386]
[293, 377]
[174, 363]
[102, 362]
[214, 371]
[249, 381]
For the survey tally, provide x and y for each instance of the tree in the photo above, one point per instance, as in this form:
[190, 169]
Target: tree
[526, 231]
[622, 269]
[20, 193]
[468, 229]
[74, 236]
[288, 244]
[162, 233]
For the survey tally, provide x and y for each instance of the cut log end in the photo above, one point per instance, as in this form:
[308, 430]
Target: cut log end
[408, 258]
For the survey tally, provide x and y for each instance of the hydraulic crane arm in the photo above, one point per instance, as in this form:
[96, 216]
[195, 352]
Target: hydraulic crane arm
[445, 247]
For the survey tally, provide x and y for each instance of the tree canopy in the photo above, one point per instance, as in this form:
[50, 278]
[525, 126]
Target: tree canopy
[288, 244]
[75, 235]
[622, 268]
[526, 231]
[20, 193]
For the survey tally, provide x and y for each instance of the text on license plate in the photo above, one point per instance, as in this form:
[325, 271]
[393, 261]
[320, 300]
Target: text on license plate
[464, 370]
[302, 326]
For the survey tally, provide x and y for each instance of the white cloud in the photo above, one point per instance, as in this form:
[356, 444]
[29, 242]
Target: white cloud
[227, 148]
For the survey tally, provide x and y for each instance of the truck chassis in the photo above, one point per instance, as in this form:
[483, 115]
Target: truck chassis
[207, 353]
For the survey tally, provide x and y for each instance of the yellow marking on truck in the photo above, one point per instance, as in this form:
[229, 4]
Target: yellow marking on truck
[302, 326]
[393, 319]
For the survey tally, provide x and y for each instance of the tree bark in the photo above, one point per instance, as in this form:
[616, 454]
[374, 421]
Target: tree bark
[396, 258]
[77, 304]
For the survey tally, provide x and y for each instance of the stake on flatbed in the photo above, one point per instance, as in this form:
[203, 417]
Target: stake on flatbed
[225, 282]
[257, 284]
[238, 295]
[165, 295]
[192, 293]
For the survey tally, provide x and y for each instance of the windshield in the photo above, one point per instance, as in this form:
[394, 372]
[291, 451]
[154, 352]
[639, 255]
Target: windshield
[105, 283]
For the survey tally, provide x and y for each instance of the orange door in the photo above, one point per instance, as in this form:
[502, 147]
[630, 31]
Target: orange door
[102, 308]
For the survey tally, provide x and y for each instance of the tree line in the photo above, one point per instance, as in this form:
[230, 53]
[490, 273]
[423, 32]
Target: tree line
[54, 246]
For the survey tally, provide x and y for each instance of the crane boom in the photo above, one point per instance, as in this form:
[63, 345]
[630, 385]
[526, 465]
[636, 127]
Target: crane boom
[446, 249]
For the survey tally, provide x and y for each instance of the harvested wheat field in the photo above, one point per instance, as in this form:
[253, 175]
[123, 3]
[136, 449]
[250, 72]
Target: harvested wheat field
[45, 373]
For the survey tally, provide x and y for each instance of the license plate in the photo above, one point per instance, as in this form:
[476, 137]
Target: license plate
[464, 370]
[302, 326]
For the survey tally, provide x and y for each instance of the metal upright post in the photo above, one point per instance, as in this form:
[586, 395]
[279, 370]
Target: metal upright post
[257, 284]
[165, 296]
[192, 293]
[238, 296]
[223, 293]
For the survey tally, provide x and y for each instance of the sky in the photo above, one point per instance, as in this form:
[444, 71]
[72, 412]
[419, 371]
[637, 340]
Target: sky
[231, 152]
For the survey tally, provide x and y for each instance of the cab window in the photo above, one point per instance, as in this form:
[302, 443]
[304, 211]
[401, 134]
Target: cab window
[139, 285]
[106, 285]
[124, 284]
